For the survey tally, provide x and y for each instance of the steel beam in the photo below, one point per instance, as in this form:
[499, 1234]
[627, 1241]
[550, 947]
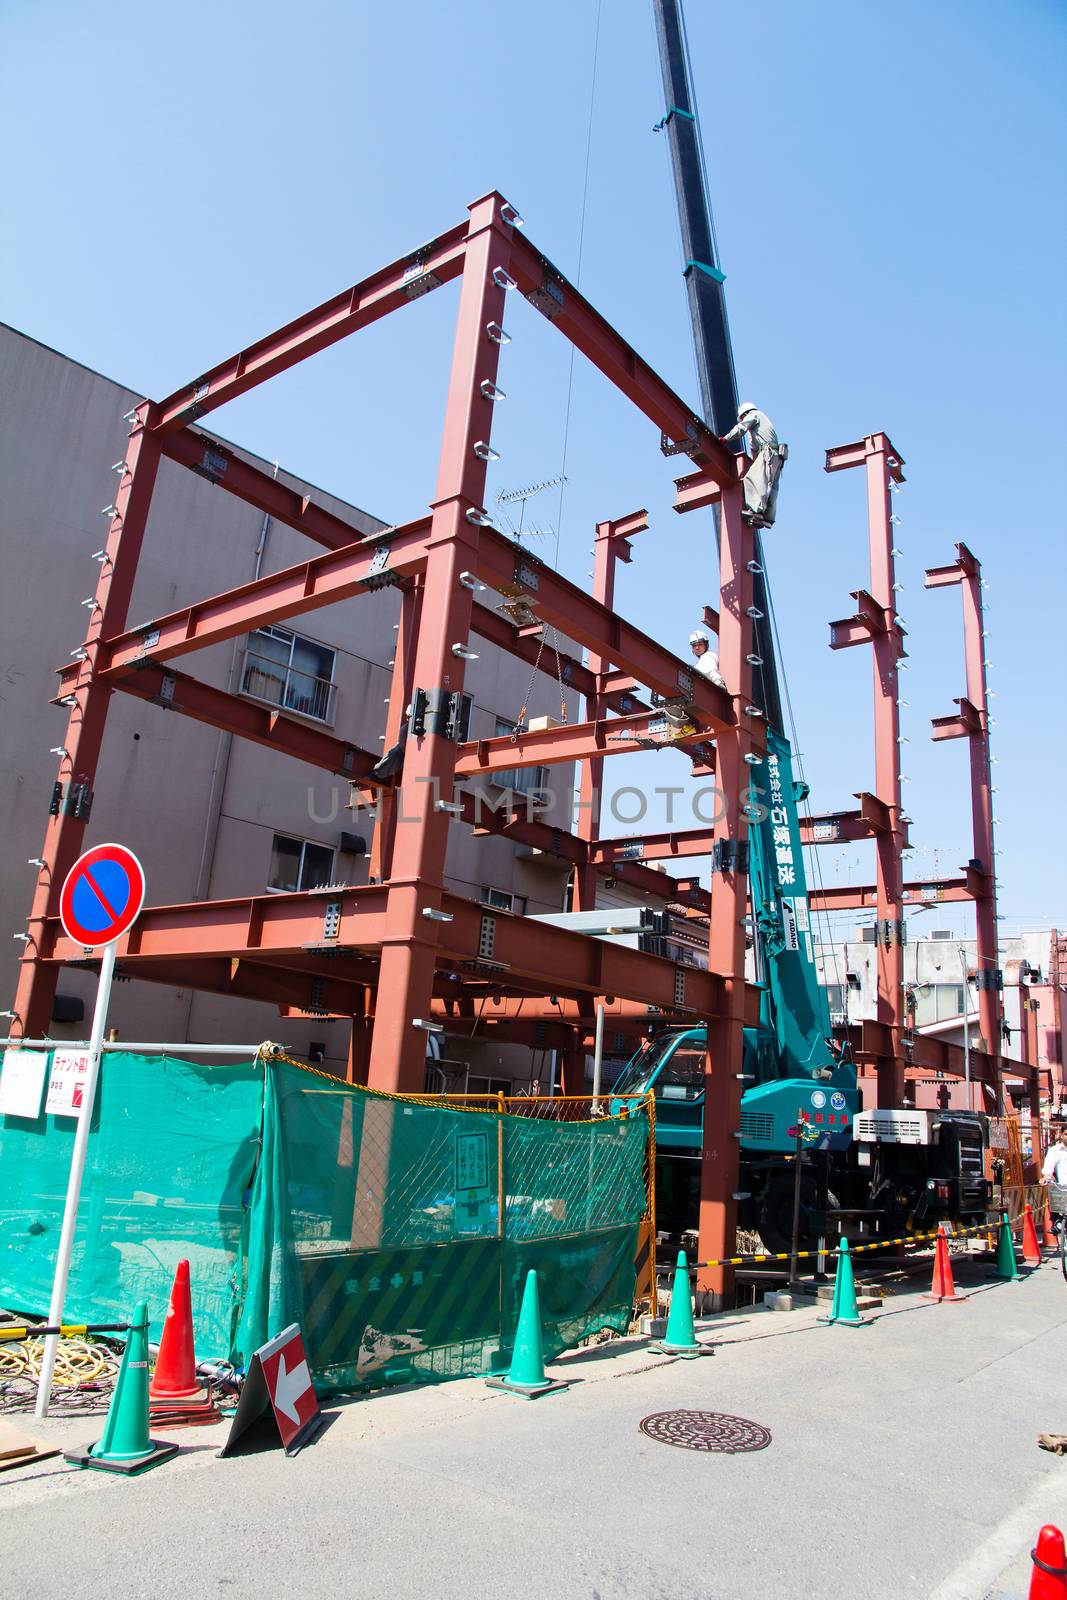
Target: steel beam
[289, 988]
[844, 897]
[323, 581]
[654, 846]
[572, 741]
[960, 726]
[350, 926]
[506, 566]
[365, 302]
[249, 719]
[560, 302]
[929, 1054]
[223, 466]
[552, 661]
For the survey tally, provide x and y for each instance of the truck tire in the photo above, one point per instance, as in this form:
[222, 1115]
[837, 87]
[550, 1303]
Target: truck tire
[776, 1213]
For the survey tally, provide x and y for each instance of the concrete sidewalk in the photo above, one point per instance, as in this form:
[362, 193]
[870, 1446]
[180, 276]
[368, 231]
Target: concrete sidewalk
[903, 1462]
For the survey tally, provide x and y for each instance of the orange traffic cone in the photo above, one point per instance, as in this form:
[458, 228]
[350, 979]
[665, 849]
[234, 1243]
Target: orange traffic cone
[1048, 1236]
[1049, 1580]
[943, 1287]
[175, 1386]
[1031, 1248]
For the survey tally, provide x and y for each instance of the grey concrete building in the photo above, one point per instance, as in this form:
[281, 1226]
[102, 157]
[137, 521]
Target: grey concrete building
[936, 968]
[209, 815]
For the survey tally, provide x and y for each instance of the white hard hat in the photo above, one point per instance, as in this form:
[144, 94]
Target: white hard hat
[746, 405]
[697, 635]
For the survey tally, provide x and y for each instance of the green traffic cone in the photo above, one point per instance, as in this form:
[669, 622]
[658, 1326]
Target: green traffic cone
[1007, 1266]
[844, 1307]
[125, 1445]
[526, 1375]
[680, 1338]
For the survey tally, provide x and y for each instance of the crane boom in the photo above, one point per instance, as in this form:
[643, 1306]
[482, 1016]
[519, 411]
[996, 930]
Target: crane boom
[795, 1015]
[704, 281]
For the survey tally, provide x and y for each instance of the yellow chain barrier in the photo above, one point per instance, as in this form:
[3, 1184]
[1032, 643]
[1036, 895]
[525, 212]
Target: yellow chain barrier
[880, 1244]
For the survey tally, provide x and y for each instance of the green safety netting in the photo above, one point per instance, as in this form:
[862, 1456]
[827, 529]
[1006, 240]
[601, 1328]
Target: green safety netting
[396, 1232]
[172, 1152]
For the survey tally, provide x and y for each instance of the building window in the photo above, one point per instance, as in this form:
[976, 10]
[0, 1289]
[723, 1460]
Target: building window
[299, 864]
[937, 1002]
[285, 669]
[835, 999]
[521, 780]
[489, 1085]
[501, 900]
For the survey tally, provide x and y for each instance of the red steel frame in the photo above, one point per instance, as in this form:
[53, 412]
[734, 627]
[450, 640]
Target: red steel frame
[971, 722]
[875, 623]
[888, 1042]
[404, 948]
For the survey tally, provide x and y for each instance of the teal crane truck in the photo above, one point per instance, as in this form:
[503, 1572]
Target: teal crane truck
[880, 1172]
[891, 1168]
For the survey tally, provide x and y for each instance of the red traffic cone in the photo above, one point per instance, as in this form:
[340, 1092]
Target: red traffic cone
[1031, 1248]
[943, 1287]
[1049, 1580]
[174, 1381]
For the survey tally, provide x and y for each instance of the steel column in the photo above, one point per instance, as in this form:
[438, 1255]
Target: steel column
[974, 725]
[85, 725]
[400, 691]
[607, 548]
[408, 958]
[720, 1157]
[876, 621]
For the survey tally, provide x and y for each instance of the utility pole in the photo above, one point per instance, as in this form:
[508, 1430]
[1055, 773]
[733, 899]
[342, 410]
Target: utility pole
[965, 1007]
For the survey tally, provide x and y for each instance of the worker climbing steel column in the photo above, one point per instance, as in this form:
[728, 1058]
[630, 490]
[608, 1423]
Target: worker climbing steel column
[707, 660]
[761, 479]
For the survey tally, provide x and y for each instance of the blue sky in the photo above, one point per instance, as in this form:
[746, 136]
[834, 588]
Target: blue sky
[888, 191]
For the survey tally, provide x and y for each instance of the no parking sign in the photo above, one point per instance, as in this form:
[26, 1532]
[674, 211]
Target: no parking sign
[100, 899]
[102, 895]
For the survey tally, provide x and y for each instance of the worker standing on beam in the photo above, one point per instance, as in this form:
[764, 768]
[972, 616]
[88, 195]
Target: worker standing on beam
[761, 479]
[707, 660]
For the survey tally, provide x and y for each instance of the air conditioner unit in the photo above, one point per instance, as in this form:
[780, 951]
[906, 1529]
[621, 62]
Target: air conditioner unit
[893, 1127]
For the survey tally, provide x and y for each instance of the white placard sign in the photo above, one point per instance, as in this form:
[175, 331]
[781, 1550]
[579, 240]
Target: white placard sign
[22, 1082]
[70, 1068]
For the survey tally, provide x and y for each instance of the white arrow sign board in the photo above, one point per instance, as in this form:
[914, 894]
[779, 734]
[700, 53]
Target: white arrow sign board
[278, 1389]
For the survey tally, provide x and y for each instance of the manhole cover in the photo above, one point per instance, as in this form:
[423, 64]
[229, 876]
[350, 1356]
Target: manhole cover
[707, 1430]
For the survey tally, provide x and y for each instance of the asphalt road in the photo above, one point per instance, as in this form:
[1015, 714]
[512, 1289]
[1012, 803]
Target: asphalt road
[903, 1463]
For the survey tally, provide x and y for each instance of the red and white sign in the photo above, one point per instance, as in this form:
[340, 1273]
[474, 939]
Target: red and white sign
[278, 1383]
[292, 1394]
[66, 1086]
[102, 895]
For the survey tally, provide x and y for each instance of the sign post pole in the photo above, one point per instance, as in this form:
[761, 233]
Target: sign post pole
[74, 1184]
[100, 900]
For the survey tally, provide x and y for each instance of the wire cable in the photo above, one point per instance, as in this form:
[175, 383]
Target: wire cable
[578, 279]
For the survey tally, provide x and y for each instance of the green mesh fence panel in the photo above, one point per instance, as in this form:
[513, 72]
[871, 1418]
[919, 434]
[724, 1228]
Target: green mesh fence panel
[171, 1155]
[399, 1234]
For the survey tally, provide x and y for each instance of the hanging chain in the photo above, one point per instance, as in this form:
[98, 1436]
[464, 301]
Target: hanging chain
[559, 678]
[520, 720]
